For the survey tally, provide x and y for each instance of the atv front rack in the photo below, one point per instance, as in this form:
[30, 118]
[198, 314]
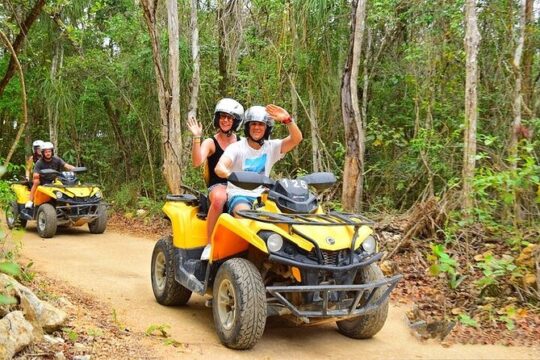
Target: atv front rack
[332, 218]
[363, 302]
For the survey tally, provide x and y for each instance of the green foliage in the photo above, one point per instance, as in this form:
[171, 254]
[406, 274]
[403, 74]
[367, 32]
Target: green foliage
[161, 329]
[127, 196]
[7, 266]
[443, 263]
[71, 334]
[6, 194]
[94, 332]
[465, 319]
[10, 268]
[495, 269]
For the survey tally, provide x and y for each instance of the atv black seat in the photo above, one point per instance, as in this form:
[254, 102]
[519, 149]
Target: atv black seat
[190, 199]
[199, 200]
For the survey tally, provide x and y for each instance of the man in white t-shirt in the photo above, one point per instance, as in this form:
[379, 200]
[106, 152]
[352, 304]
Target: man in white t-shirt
[256, 152]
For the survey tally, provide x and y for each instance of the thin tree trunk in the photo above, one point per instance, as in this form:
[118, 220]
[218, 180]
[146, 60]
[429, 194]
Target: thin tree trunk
[517, 103]
[222, 55]
[230, 22]
[352, 118]
[114, 116]
[52, 109]
[294, 113]
[23, 96]
[195, 79]
[168, 92]
[19, 40]
[315, 158]
[528, 58]
[145, 136]
[365, 88]
[472, 41]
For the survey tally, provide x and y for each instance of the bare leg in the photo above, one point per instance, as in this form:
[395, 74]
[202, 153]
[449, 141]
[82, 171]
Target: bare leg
[35, 184]
[218, 198]
[241, 206]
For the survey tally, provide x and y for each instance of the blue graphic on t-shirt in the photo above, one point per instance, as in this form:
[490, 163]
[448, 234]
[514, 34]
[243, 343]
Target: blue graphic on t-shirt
[257, 165]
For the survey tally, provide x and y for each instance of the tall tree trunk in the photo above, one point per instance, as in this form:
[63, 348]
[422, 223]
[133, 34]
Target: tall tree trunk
[315, 153]
[23, 97]
[196, 78]
[353, 176]
[19, 40]
[472, 41]
[528, 58]
[52, 104]
[114, 118]
[230, 22]
[168, 91]
[517, 103]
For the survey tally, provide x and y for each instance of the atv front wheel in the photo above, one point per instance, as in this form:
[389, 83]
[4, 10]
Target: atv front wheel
[46, 220]
[239, 304]
[13, 218]
[167, 290]
[366, 326]
[99, 225]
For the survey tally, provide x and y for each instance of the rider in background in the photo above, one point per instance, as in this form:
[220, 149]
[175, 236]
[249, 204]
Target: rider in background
[32, 159]
[47, 161]
[227, 119]
[256, 152]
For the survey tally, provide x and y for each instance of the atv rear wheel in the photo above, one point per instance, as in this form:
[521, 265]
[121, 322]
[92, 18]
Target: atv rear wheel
[46, 220]
[99, 225]
[366, 326]
[13, 218]
[167, 290]
[239, 304]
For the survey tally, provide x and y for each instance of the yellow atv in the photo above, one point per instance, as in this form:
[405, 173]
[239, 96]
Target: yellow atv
[63, 202]
[286, 257]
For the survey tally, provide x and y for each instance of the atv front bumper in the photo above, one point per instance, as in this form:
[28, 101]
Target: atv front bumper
[362, 302]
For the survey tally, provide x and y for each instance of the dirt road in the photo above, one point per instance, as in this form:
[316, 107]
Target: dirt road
[115, 268]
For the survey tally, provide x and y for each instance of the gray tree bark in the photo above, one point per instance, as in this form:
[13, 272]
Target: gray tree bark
[472, 41]
[168, 91]
[353, 177]
[196, 78]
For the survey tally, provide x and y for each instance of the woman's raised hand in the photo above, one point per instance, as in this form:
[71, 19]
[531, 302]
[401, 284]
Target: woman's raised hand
[194, 126]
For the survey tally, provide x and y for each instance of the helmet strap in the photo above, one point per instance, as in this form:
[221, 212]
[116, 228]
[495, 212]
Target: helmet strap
[260, 141]
[228, 133]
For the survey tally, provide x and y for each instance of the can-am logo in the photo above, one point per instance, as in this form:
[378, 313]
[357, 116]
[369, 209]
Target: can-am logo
[330, 241]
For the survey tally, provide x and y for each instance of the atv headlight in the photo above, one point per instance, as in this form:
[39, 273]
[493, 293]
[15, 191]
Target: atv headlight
[98, 194]
[369, 245]
[274, 242]
[59, 194]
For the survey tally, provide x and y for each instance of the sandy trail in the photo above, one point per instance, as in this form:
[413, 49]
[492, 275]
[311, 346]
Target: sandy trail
[115, 268]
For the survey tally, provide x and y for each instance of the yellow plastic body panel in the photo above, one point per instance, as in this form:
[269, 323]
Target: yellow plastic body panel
[233, 235]
[22, 193]
[46, 193]
[188, 230]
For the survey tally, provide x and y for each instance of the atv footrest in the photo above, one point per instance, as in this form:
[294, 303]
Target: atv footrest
[361, 303]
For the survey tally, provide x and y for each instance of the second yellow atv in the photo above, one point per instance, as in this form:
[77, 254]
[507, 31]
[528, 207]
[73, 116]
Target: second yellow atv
[286, 257]
[63, 202]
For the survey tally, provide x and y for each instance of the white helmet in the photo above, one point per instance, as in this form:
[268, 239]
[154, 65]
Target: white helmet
[231, 107]
[47, 145]
[258, 114]
[37, 143]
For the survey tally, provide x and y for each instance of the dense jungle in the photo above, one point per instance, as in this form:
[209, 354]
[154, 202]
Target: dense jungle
[426, 111]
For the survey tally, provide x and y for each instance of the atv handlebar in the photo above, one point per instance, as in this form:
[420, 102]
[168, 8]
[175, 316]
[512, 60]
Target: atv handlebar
[249, 180]
[54, 172]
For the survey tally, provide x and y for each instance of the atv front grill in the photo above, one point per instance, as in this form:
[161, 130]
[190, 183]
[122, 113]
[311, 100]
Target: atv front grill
[330, 257]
